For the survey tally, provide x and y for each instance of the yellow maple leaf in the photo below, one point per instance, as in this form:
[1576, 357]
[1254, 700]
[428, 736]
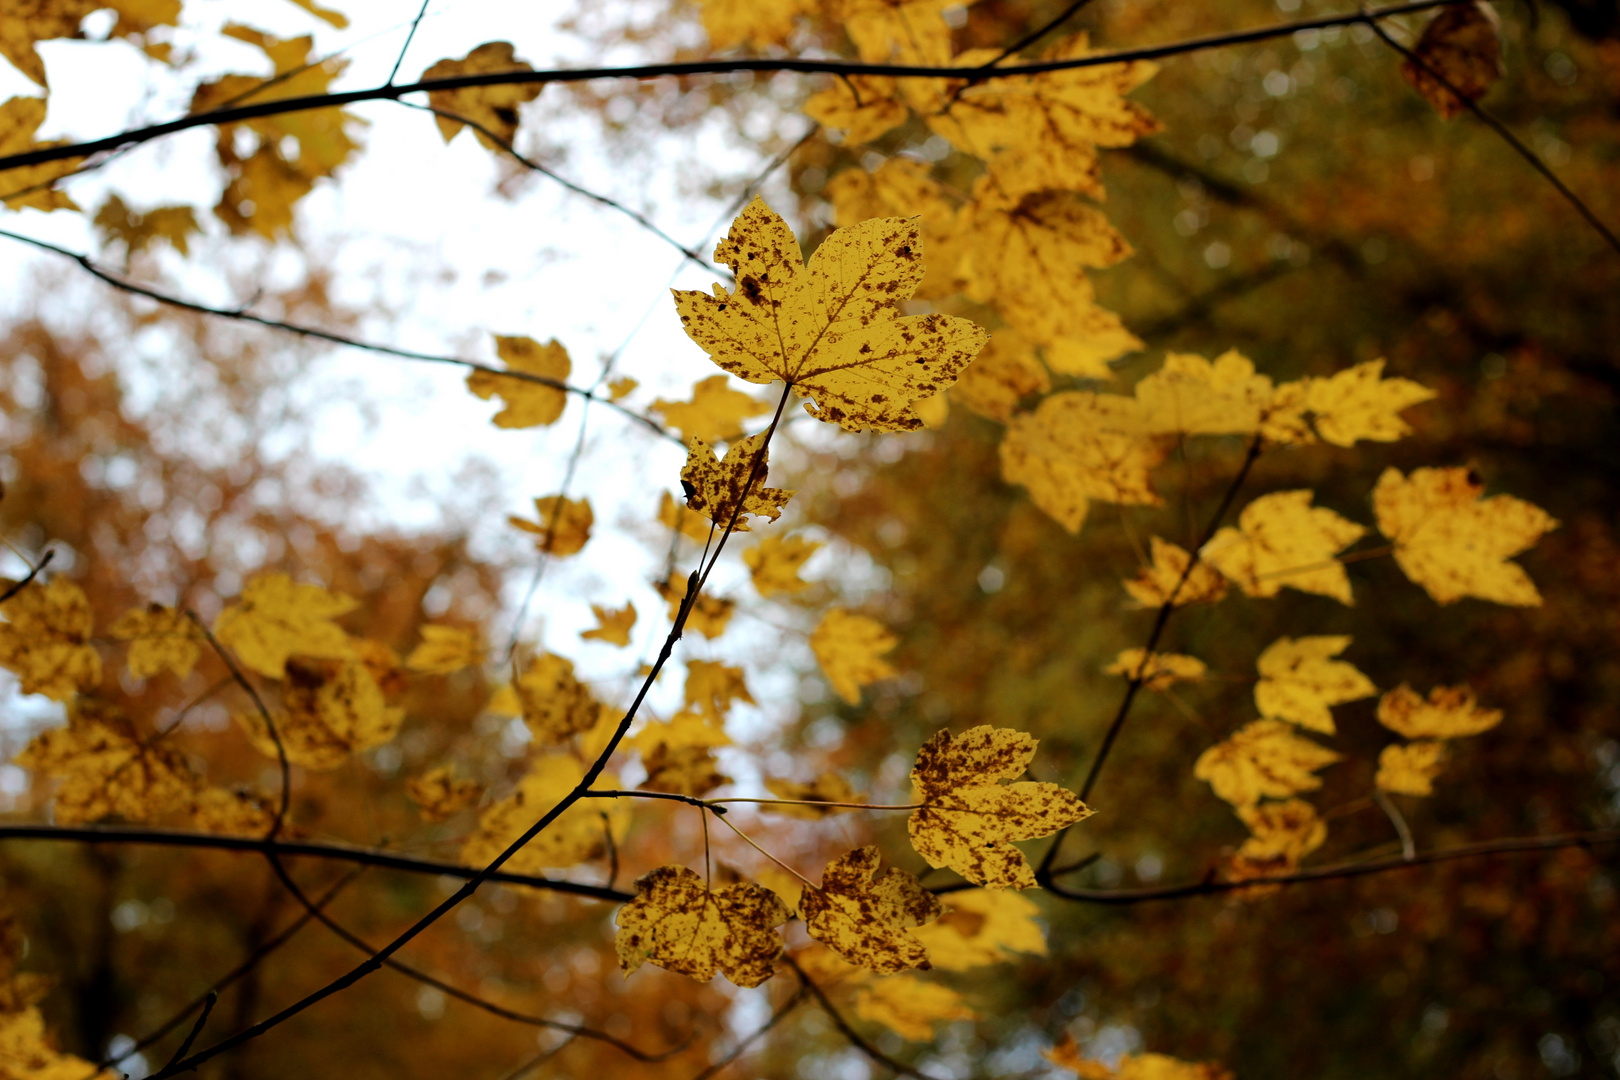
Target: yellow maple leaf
[866, 919]
[711, 687]
[1281, 539]
[276, 617]
[1359, 403]
[444, 649]
[1410, 769]
[831, 327]
[613, 625]
[968, 819]
[621, 388]
[1163, 578]
[1449, 713]
[159, 638]
[528, 403]
[863, 107]
[715, 413]
[909, 1006]
[1162, 670]
[829, 787]
[564, 525]
[578, 834]
[1074, 448]
[555, 703]
[678, 923]
[439, 792]
[27, 1053]
[1280, 834]
[105, 769]
[983, 926]
[139, 230]
[331, 709]
[1463, 44]
[493, 107]
[749, 22]
[728, 491]
[902, 187]
[1190, 395]
[231, 812]
[682, 730]
[709, 616]
[45, 640]
[673, 514]
[774, 564]
[1455, 544]
[1002, 375]
[1263, 758]
[20, 117]
[1300, 681]
[850, 650]
[30, 21]
[909, 31]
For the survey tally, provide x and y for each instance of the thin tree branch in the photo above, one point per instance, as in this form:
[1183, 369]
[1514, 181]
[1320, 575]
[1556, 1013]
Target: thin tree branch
[1397, 819]
[699, 67]
[410, 37]
[209, 1001]
[1039, 32]
[856, 1039]
[758, 1033]
[33, 572]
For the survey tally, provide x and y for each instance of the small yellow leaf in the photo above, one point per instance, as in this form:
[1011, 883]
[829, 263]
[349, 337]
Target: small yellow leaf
[105, 769]
[715, 413]
[865, 919]
[555, 703]
[1163, 578]
[1410, 769]
[831, 328]
[275, 618]
[683, 770]
[444, 649]
[909, 1006]
[683, 729]
[774, 564]
[613, 625]
[1450, 713]
[711, 687]
[709, 616]
[850, 650]
[231, 812]
[1263, 758]
[45, 640]
[1281, 834]
[579, 833]
[1463, 44]
[621, 388]
[983, 926]
[1299, 681]
[159, 638]
[1077, 447]
[493, 107]
[1281, 539]
[331, 709]
[528, 403]
[439, 792]
[19, 118]
[1161, 671]
[139, 230]
[1455, 544]
[829, 787]
[673, 514]
[728, 491]
[968, 819]
[861, 106]
[676, 922]
[1359, 403]
[564, 525]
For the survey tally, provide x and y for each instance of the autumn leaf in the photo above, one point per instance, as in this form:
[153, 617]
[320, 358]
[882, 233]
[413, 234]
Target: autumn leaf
[830, 328]
[1167, 576]
[621, 388]
[1300, 681]
[1066, 1055]
[1281, 539]
[728, 491]
[28, 22]
[555, 703]
[579, 833]
[20, 117]
[710, 615]
[1190, 395]
[715, 413]
[564, 525]
[1005, 373]
[902, 187]
[493, 107]
[748, 22]
[1359, 403]
[862, 107]
[1074, 449]
[909, 1006]
[968, 819]
[382, 663]
[673, 514]
[865, 918]
[1280, 835]
[1455, 544]
[850, 650]
[829, 787]
[711, 687]
[331, 709]
[1410, 769]
[678, 923]
[528, 403]
[104, 769]
[276, 617]
[27, 1053]
[613, 625]
[139, 230]
[983, 926]
[1263, 758]
[1449, 713]
[45, 640]
[774, 564]
[444, 649]
[1463, 45]
[682, 770]
[159, 638]
[1161, 671]
[231, 812]
[439, 792]
[684, 729]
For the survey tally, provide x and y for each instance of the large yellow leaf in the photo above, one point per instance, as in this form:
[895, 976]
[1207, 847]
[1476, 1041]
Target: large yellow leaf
[1410, 769]
[579, 833]
[1455, 544]
[332, 709]
[906, 31]
[1189, 395]
[1074, 448]
[728, 491]
[528, 403]
[1449, 713]
[159, 638]
[1167, 576]
[1264, 758]
[555, 703]
[774, 564]
[1300, 681]
[850, 650]
[983, 926]
[493, 107]
[1281, 539]
[26, 1053]
[866, 919]
[678, 923]
[105, 769]
[275, 617]
[715, 413]
[1359, 403]
[45, 640]
[968, 819]
[682, 770]
[832, 327]
[909, 1006]
[444, 649]
[613, 625]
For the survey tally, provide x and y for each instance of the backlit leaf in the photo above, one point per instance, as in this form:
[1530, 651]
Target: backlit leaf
[579, 833]
[276, 617]
[331, 709]
[1074, 448]
[728, 491]
[676, 922]
[715, 413]
[909, 1006]
[1190, 395]
[528, 403]
[1003, 374]
[1280, 835]
[613, 625]
[1066, 1055]
[829, 787]
[861, 106]
[1167, 576]
[1300, 681]
[1359, 403]
[711, 687]
[1410, 769]
[495, 108]
[439, 792]
[774, 564]
[1449, 713]
[45, 640]
[20, 117]
[673, 514]
[850, 650]
[749, 22]
[710, 615]
[866, 919]
[1161, 671]
[983, 926]
[105, 769]
[231, 812]
[444, 649]
[159, 638]
[564, 525]
[1281, 539]
[139, 230]
[555, 703]
[1264, 758]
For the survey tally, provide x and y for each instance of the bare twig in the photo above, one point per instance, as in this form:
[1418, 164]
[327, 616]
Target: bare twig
[1397, 819]
[33, 572]
[758, 1033]
[410, 37]
[856, 1039]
